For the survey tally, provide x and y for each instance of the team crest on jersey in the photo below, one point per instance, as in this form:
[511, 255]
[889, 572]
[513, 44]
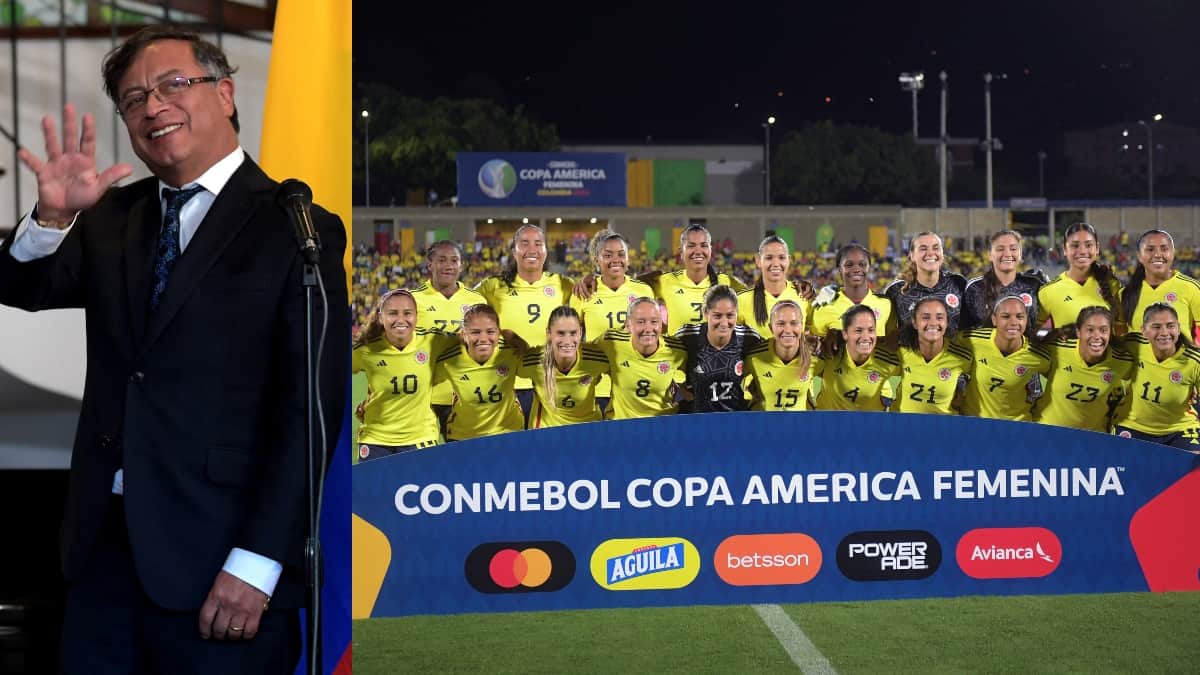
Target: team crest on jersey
[1125, 434]
[1020, 370]
[1027, 299]
[876, 310]
[951, 300]
[502, 371]
[873, 376]
[364, 452]
[549, 291]
[1176, 376]
[421, 357]
[664, 367]
[631, 298]
[1171, 297]
[585, 380]
[1106, 376]
[464, 308]
[737, 369]
[944, 374]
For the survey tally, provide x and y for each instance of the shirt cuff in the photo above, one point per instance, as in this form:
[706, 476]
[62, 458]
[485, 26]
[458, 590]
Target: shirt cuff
[32, 241]
[259, 571]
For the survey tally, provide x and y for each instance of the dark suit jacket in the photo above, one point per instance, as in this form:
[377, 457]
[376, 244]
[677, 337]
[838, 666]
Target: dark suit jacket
[201, 403]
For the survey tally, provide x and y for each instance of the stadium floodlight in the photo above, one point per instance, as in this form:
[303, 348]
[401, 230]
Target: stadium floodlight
[913, 82]
[524, 221]
[593, 220]
[1150, 155]
[558, 221]
[767, 159]
[367, 156]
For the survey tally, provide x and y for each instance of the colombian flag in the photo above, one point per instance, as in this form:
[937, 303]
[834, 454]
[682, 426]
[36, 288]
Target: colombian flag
[307, 121]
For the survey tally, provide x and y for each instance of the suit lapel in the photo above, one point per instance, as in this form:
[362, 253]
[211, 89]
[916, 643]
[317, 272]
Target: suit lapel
[233, 208]
[141, 240]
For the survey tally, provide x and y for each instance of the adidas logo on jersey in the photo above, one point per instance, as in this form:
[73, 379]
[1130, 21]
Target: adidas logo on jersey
[1068, 369]
[699, 370]
[838, 371]
[431, 308]
[768, 374]
[1067, 299]
[464, 378]
[512, 293]
[625, 364]
[983, 361]
[598, 302]
[679, 292]
[382, 363]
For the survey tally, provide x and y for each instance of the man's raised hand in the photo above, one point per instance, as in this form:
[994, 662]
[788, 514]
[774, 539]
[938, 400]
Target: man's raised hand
[68, 181]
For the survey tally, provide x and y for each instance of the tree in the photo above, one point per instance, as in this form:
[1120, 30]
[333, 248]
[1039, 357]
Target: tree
[824, 163]
[414, 142]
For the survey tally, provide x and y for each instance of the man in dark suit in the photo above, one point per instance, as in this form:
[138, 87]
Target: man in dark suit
[186, 510]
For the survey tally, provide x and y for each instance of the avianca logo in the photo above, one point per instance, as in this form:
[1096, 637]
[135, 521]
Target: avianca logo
[1009, 553]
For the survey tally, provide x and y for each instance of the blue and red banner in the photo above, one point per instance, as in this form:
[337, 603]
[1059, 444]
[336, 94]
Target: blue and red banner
[541, 179]
[765, 507]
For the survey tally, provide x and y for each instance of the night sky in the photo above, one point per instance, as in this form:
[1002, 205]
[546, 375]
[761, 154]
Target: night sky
[712, 72]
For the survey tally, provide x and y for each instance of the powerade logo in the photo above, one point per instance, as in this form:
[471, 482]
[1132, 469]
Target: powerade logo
[1009, 553]
[767, 559]
[890, 555]
[645, 564]
[497, 178]
[520, 567]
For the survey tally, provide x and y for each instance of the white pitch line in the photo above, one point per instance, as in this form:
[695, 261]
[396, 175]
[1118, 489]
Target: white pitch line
[803, 652]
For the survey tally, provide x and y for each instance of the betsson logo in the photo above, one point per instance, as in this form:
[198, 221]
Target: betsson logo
[767, 559]
[1009, 553]
[892, 555]
[520, 567]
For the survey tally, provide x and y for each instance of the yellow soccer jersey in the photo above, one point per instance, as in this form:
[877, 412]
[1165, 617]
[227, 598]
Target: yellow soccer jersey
[1160, 393]
[1062, 297]
[928, 387]
[847, 386]
[746, 308]
[524, 308]
[399, 385]
[486, 403]
[642, 385]
[827, 316]
[684, 299]
[437, 312]
[1180, 292]
[575, 400]
[997, 386]
[781, 386]
[607, 310]
[1078, 395]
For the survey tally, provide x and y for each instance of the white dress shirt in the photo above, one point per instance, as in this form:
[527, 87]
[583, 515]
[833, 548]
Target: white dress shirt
[32, 241]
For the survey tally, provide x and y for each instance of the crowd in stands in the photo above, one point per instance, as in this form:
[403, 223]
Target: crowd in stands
[376, 272]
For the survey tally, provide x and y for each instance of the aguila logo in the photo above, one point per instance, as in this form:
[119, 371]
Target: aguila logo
[944, 374]
[421, 357]
[1176, 376]
[951, 300]
[1009, 553]
[664, 368]
[1027, 299]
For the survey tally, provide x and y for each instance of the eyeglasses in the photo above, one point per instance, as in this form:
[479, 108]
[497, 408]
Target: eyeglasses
[167, 90]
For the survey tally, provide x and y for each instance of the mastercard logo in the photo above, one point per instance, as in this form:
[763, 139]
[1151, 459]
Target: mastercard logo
[520, 567]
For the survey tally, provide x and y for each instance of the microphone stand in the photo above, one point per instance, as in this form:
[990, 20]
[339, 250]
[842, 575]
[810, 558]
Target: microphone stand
[316, 466]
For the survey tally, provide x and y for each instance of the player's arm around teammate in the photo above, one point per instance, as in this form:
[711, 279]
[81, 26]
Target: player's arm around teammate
[398, 359]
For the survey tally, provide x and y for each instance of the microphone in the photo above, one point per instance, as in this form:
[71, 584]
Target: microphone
[295, 198]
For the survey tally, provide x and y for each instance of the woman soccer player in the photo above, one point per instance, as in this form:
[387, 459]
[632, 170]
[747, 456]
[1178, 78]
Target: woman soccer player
[1155, 280]
[930, 363]
[398, 359]
[1085, 282]
[564, 373]
[1000, 280]
[482, 371]
[1163, 383]
[643, 363]
[525, 294]
[783, 372]
[852, 263]
[772, 286]
[608, 307]
[683, 291]
[1087, 375]
[717, 350]
[1006, 364]
[923, 277]
[854, 374]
